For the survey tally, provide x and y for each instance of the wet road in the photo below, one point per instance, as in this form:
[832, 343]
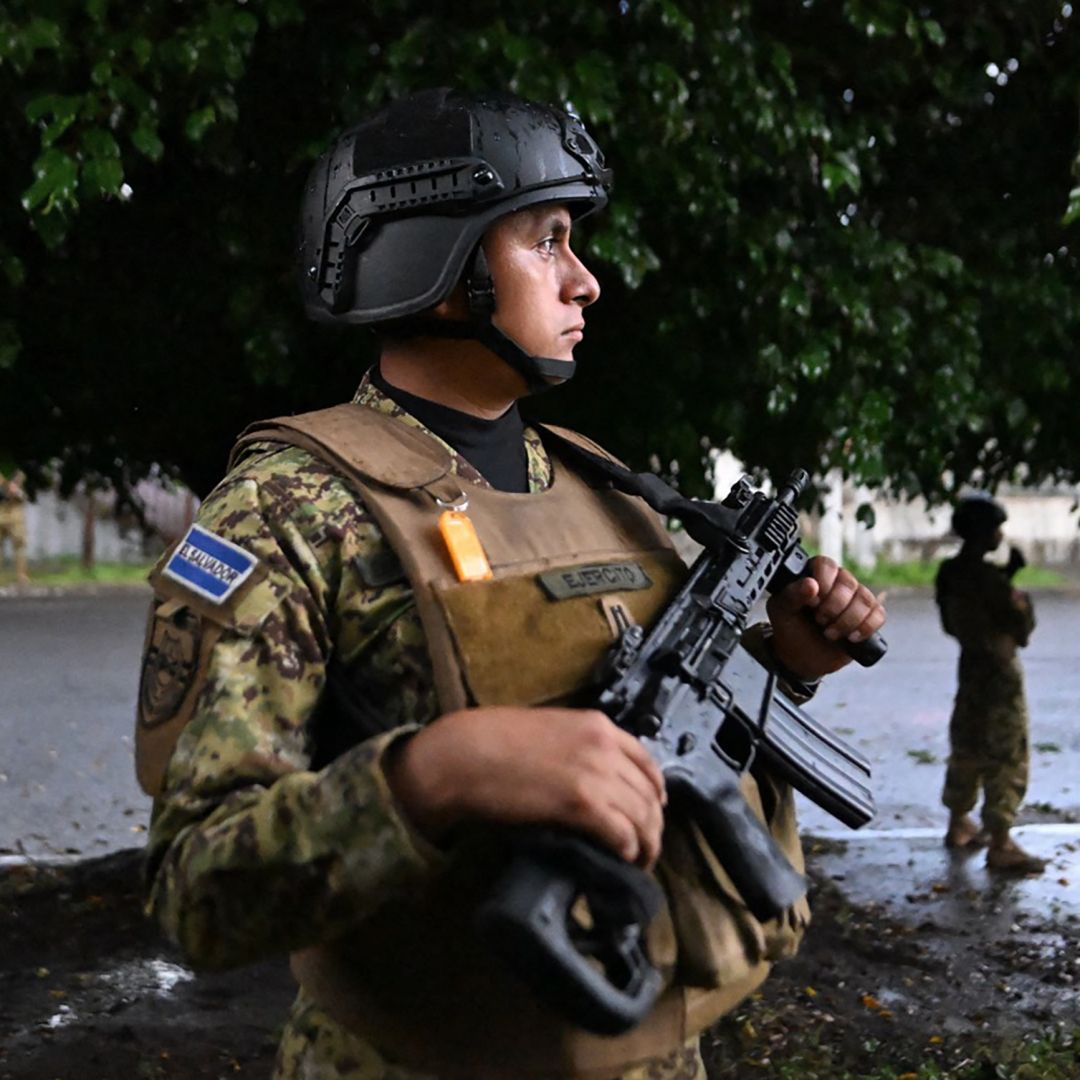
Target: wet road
[897, 714]
[69, 668]
[69, 671]
[68, 678]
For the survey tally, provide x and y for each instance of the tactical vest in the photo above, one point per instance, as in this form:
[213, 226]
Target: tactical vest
[569, 565]
[973, 599]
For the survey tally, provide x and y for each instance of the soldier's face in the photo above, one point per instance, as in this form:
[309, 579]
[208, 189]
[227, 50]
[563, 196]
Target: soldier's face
[988, 541]
[541, 286]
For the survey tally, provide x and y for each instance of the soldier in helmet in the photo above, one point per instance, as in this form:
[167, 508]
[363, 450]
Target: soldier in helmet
[988, 732]
[354, 669]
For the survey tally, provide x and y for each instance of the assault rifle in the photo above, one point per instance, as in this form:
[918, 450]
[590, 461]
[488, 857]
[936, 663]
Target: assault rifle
[707, 711]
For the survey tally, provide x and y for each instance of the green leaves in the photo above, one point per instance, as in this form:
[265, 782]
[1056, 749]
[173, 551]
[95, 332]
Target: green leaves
[841, 171]
[825, 245]
[20, 44]
[102, 176]
[199, 122]
[13, 268]
[622, 245]
[10, 343]
[147, 141]
[916, 27]
[56, 176]
[282, 13]
[98, 87]
[60, 176]
[1072, 213]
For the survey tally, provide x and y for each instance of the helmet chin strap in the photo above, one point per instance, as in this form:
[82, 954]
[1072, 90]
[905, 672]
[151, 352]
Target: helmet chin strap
[537, 371]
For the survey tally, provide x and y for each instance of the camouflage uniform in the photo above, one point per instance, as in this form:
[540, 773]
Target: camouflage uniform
[988, 731]
[274, 832]
[13, 522]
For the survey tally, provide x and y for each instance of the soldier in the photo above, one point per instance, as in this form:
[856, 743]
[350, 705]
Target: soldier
[988, 732]
[352, 668]
[13, 522]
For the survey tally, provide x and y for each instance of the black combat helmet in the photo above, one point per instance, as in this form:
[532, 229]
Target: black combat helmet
[394, 211]
[977, 515]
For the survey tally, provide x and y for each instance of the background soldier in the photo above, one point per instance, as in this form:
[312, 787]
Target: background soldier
[988, 732]
[330, 711]
[13, 523]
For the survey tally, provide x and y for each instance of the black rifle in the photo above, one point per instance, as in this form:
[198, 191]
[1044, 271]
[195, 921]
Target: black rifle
[1016, 563]
[707, 711]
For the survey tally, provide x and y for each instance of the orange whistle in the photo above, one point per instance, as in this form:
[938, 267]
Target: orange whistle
[467, 555]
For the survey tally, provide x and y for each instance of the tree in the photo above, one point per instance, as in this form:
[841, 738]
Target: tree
[841, 235]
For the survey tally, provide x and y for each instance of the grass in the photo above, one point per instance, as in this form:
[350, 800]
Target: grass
[923, 757]
[69, 571]
[917, 573]
[1052, 1055]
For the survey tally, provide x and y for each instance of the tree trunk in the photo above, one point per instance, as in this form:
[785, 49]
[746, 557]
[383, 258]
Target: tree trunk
[89, 519]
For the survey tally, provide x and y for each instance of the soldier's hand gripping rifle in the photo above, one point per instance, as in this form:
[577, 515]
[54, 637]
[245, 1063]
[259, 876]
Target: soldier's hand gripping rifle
[706, 710]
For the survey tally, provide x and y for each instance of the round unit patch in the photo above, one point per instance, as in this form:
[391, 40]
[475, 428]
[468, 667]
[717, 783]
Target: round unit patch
[169, 666]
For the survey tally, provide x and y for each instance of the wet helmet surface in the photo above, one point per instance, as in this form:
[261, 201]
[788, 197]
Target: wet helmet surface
[394, 210]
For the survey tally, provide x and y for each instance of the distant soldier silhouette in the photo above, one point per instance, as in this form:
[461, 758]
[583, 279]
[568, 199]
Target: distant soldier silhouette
[988, 732]
[13, 523]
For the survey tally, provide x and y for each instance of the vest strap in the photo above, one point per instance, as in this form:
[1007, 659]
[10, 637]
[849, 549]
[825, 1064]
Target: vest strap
[357, 439]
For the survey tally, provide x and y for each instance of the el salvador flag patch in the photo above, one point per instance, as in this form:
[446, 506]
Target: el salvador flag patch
[210, 565]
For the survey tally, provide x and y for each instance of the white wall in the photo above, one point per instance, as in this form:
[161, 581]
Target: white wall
[54, 526]
[1044, 524]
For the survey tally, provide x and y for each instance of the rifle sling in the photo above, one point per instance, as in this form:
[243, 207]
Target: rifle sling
[710, 524]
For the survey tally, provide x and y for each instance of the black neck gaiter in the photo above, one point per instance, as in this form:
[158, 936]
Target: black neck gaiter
[495, 448]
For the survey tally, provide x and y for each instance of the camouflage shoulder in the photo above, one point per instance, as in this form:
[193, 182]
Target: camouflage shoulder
[538, 462]
[292, 490]
[301, 521]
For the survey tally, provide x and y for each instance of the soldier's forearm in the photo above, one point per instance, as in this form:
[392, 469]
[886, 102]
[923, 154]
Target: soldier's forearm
[277, 868]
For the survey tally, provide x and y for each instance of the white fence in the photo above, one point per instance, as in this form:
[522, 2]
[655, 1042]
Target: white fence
[1044, 523]
[57, 527]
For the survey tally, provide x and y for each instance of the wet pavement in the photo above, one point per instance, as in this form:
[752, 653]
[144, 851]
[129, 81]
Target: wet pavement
[69, 668]
[69, 672]
[909, 870]
[897, 714]
[901, 926]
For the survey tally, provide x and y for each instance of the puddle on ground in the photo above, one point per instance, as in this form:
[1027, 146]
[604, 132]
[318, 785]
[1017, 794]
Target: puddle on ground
[142, 976]
[910, 872]
[1017, 936]
[118, 987]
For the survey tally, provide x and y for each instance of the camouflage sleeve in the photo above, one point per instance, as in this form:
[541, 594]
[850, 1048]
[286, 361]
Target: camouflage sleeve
[252, 849]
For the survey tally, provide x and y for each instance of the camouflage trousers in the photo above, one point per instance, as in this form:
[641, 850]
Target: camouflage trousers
[988, 737]
[315, 1047]
[13, 528]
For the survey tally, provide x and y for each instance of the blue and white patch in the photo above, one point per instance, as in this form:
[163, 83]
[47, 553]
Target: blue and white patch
[210, 565]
